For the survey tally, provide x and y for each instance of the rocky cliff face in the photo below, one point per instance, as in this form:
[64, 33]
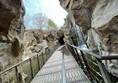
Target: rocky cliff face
[80, 11]
[98, 20]
[11, 32]
[94, 16]
[105, 23]
[33, 41]
[69, 32]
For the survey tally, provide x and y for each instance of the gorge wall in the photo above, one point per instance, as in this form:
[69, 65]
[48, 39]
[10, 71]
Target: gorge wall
[94, 17]
[97, 18]
[99, 22]
[34, 41]
[11, 33]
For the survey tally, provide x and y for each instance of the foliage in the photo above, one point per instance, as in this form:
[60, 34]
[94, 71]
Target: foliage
[39, 20]
[51, 24]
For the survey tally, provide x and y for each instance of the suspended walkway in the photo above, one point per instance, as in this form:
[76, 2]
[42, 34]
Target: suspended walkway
[68, 64]
[61, 68]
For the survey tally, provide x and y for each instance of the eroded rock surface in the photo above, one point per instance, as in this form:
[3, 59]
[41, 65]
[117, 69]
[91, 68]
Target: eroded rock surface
[95, 15]
[34, 41]
[80, 11]
[11, 34]
[105, 23]
[99, 21]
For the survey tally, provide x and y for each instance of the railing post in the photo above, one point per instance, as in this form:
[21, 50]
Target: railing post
[17, 76]
[45, 58]
[79, 60]
[38, 61]
[15, 67]
[42, 58]
[31, 68]
[85, 63]
[46, 54]
[103, 71]
[63, 69]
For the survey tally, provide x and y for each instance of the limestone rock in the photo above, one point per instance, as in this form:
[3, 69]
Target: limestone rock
[101, 16]
[34, 41]
[80, 11]
[11, 33]
[105, 23]
[11, 28]
[8, 11]
[99, 22]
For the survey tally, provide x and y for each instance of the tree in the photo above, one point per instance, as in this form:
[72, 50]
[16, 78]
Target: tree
[51, 24]
[39, 20]
[27, 20]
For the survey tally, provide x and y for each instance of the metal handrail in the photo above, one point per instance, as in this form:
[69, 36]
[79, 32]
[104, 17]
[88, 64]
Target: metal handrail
[112, 57]
[31, 68]
[63, 69]
[98, 58]
[16, 65]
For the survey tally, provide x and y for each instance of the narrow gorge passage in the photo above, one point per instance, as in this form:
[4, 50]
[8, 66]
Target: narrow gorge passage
[31, 31]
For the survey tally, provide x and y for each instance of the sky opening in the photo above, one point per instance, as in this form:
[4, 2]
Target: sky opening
[50, 8]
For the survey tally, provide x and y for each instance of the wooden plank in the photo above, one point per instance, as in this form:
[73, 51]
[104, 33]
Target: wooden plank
[51, 71]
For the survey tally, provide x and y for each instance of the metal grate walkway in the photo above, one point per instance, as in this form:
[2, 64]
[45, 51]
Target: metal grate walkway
[51, 72]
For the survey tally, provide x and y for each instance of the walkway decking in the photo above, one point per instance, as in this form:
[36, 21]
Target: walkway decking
[51, 72]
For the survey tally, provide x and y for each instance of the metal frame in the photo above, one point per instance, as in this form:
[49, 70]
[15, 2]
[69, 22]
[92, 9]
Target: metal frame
[113, 57]
[63, 69]
[85, 66]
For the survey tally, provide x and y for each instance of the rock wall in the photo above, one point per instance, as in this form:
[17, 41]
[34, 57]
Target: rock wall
[34, 41]
[94, 16]
[99, 21]
[69, 32]
[11, 33]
